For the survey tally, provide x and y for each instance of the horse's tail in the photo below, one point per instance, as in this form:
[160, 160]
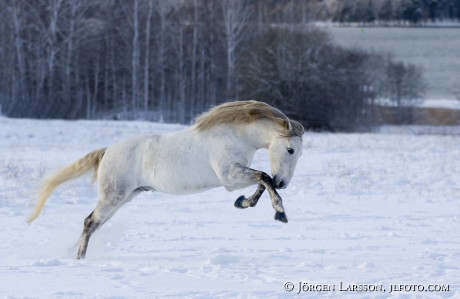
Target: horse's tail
[72, 171]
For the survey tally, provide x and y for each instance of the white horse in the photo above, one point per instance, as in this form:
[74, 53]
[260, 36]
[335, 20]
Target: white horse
[216, 151]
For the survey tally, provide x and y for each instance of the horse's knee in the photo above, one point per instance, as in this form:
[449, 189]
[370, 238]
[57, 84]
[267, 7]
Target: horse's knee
[88, 220]
[265, 180]
[90, 224]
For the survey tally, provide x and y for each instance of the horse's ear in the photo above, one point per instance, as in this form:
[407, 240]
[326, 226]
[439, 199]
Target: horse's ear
[287, 125]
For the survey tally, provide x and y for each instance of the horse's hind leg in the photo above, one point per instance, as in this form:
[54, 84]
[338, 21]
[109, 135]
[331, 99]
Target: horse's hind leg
[90, 226]
[103, 212]
[242, 202]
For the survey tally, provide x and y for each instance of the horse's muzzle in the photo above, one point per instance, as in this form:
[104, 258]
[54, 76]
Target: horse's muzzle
[279, 184]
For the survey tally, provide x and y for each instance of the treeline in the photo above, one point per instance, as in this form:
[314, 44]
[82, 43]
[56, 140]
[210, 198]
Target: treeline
[391, 12]
[170, 60]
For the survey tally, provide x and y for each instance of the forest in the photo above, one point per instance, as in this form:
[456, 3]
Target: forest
[168, 61]
[387, 12]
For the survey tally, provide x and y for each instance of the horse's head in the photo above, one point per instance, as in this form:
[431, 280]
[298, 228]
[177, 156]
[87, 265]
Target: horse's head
[284, 153]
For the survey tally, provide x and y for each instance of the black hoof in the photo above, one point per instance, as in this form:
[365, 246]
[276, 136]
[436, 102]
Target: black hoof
[281, 217]
[239, 202]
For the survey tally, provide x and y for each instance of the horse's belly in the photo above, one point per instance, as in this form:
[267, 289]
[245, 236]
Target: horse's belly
[178, 163]
[181, 178]
[185, 185]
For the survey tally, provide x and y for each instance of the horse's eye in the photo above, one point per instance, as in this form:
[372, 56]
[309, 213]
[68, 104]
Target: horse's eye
[290, 151]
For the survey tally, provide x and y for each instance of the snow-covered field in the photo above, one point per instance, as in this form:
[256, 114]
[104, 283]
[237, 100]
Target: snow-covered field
[375, 211]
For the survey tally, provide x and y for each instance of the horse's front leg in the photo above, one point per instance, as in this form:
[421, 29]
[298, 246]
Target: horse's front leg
[237, 174]
[277, 202]
[242, 202]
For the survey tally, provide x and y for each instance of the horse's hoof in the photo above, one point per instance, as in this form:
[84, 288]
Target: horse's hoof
[241, 202]
[281, 217]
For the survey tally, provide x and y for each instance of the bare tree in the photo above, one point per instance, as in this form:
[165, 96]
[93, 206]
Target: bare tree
[51, 39]
[236, 16]
[20, 56]
[147, 55]
[194, 98]
[161, 57]
[135, 56]
[404, 87]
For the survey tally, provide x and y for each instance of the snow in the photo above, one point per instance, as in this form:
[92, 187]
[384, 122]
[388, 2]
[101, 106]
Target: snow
[441, 103]
[363, 209]
[452, 104]
[419, 130]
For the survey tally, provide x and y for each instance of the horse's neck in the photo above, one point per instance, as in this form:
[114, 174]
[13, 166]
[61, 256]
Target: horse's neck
[260, 133]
